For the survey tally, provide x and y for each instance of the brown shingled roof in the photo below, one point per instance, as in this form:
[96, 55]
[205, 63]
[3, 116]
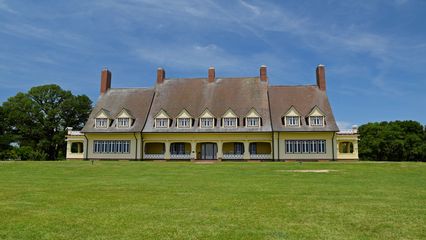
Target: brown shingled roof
[197, 94]
[135, 101]
[303, 99]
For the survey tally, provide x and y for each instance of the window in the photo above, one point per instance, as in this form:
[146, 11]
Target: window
[161, 123]
[230, 122]
[184, 122]
[123, 122]
[238, 148]
[101, 123]
[316, 120]
[305, 146]
[253, 148]
[253, 122]
[177, 148]
[206, 122]
[292, 121]
[111, 146]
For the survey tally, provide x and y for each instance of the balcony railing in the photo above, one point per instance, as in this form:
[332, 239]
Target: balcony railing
[232, 156]
[260, 156]
[153, 156]
[180, 156]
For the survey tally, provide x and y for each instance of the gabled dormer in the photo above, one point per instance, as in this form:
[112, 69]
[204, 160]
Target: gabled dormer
[229, 119]
[124, 119]
[207, 119]
[162, 120]
[184, 119]
[253, 119]
[316, 118]
[102, 119]
[291, 118]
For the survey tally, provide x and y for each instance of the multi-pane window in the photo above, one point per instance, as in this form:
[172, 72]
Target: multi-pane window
[123, 122]
[292, 120]
[177, 148]
[230, 122]
[111, 146]
[305, 146]
[101, 123]
[238, 148]
[253, 122]
[206, 122]
[161, 122]
[316, 120]
[184, 122]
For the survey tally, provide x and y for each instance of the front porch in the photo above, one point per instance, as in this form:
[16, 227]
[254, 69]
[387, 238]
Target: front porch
[209, 150]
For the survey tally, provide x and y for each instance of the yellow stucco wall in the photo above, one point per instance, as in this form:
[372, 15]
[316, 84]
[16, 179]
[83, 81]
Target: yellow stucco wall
[328, 136]
[347, 138]
[135, 149]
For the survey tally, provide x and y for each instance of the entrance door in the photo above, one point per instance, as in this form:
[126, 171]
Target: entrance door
[208, 151]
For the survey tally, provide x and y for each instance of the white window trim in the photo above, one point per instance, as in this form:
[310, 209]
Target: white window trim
[180, 126]
[253, 126]
[123, 126]
[228, 126]
[98, 126]
[167, 125]
[292, 125]
[201, 123]
[316, 125]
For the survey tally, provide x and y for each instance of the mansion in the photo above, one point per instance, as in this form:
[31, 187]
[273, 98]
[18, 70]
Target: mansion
[213, 118]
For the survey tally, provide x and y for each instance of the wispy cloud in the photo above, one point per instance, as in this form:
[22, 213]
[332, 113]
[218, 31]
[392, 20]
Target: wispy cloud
[5, 7]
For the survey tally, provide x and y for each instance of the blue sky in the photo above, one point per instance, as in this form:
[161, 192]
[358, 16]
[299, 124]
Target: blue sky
[374, 51]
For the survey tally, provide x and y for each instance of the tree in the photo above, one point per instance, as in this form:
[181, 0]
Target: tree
[38, 119]
[393, 141]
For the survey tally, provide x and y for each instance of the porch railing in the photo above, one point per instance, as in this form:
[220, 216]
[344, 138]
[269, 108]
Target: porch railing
[260, 156]
[153, 156]
[180, 156]
[232, 156]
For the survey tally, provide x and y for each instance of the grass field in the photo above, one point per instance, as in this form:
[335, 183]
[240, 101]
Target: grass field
[152, 200]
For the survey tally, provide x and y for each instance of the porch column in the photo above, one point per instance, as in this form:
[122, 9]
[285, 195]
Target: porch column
[193, 150]
[246, 155]
[167, 151]
[219, 150]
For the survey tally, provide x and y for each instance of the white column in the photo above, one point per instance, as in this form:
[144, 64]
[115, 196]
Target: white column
[193, 150]
[246, 155]
[219, 150]
[167, 152]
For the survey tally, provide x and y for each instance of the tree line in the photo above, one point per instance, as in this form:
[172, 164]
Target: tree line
[33, 127]
[392, 141]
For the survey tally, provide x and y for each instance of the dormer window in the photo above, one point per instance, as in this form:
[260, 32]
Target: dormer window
[161, 123]
[252, 119]
[101, 122]
[123, 122]
[229, 119]
[316, 120]
[316, 117]
[184, 122]
[230, 122]
[161, 120]
[207, 122]
[207, 119]
[292, 118]
[292, 121]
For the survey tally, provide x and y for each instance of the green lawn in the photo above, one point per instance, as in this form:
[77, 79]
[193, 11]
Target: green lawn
[154, 200]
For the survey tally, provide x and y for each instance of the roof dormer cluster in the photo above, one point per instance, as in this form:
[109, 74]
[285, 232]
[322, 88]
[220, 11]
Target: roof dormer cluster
[207, 120]
[293, 118]
[123, 119]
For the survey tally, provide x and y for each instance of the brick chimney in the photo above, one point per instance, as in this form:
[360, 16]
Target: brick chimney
[161, 75]
[105, 80]
[263, 76]
[321, 77]
[212, 74]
